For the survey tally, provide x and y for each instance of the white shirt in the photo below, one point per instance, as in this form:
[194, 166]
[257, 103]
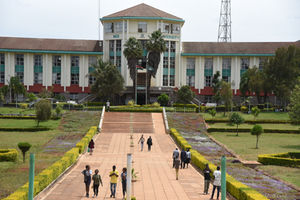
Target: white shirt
[188, 154]
[217, 175]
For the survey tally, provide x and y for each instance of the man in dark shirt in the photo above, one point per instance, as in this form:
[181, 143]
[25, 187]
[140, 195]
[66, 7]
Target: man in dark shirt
[182, 159]
[206, 173]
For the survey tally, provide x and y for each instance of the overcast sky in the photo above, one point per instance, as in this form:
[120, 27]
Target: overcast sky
[252, 20]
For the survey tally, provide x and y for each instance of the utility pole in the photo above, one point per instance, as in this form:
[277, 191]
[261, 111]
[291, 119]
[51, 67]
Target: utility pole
[224, 32]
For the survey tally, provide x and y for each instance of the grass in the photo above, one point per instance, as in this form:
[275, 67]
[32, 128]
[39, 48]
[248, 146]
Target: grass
[262, 115]
[287, 174]
[10, 110]
[48, 146]
[27, 123]
[267, 126]
[244, 144]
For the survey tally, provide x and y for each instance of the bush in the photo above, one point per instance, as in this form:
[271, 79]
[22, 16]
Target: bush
[33, 129]
[179, 139]
[16, 117]
[185, 94]
[23, 105]
[24, 147]
[163, 99]
[184, 105]
[212, 112]
[244, 109]
[95, 104]
[131, 103]
[290, 159]
[82, 144]
[8, 155]
[257, 130]
[42, 111]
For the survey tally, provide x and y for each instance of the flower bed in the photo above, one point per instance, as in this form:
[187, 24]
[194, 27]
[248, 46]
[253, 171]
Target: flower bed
[258, 121]
[43, 179]
[234, 187]
[8, 155]
[289, 159]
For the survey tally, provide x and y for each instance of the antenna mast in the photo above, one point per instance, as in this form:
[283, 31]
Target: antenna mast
[224, 32]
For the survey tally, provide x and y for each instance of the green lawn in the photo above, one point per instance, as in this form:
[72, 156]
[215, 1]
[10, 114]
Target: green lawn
[27, 123]
[262, 115]
[288, 174]
[48, 146]
[244, 144]
[8, 110]
[270, 126]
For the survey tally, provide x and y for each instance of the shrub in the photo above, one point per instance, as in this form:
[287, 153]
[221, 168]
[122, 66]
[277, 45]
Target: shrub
[257, 130]
[282, 159]
[155, 104]
[24, 105]
[212, 112]
[33, 129]
[58, 110]
[244, 109]
[185, 105]
[185, 94]
[8, 155]
[130, 103]
[43, 111]
[24, 147]
[95, 104]
[163, 99]
[236, 119]
[255, 112]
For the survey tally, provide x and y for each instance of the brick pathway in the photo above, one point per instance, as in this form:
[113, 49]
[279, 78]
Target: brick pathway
[156, 177]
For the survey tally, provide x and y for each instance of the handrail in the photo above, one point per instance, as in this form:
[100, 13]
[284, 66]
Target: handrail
[101, 119]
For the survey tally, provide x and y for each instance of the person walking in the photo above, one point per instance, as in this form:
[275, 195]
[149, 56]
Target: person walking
[96, 182]
[176, 165]
[124, 180]
[87, 179]
[182, 159]
[149, 143]
[114, 174]
[142, 140]
[206, 173]
[91, 146]
[217, 183]
[188, 158]
[107, 105]
[175, 155]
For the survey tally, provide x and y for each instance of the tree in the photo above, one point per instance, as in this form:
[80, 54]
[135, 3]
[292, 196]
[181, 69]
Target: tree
[31, 97]
[42, 111]
[185, 94]
[163, 99]
[109, 81]
[216, 85]
[16, 88]
[133, 52]
[283, 71]
[294, 106]
[58, 110]
[24, 147]
[236, 119]
[255, 112]
[155, 46]
[226, 95]
[256, 81]
[257, 130]
[244, 84]
[46, 93]
[212, 112]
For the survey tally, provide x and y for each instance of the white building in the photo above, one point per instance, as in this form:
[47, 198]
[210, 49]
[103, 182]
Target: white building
[64, 65]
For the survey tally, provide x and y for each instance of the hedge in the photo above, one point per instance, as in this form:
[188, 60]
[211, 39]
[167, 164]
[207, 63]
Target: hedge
[95, 104]
[249, 130]
[48, 175]
[31, 129]
[289, 159]
[134, 109]
[185, 105]
[8, 155]
[181, 141]
[260, 121]
[82, 144]
[234, 187]
[17, 117]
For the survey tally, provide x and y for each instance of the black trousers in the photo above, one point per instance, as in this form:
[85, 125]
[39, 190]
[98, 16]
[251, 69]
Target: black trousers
[124, 187]
[149, 147]
[213, 192]
[182, 164]
[96, 189]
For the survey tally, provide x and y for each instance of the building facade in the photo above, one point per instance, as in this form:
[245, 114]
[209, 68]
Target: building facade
[65, 65]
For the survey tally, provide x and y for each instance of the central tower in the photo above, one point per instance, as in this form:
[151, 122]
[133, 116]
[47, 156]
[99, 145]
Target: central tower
[224, 32]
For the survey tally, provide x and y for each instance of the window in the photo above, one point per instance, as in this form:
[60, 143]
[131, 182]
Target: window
[92, 61]
[175, 28]
[112, 59]
[262, 62]
[108, 27]
[2, 68]
[19, 67]
[167, 46]
[142, 27]
[173, 46]
[172, 62]
[111, 45]
[118, 62]
[38, 69]
[226, 69]
[190, 72]
[165, 70]
[19, 59]
[172, 71]
[165, 80]
[74, 70]
[118, 45]
[166, 28]
[208, 81]
[172, 80]
[56, 69]
[2, 59]
[208, 63]
[244, 63]
[118, 27]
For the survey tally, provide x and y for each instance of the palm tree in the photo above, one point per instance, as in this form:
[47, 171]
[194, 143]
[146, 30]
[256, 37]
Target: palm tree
[133, 52]
[155, 46]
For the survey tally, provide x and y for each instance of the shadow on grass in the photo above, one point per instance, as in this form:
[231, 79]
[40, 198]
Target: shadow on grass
[291, 147]
[232, 135]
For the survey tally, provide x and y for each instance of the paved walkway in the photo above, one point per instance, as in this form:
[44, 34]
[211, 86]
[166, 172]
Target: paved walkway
[155, 178]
